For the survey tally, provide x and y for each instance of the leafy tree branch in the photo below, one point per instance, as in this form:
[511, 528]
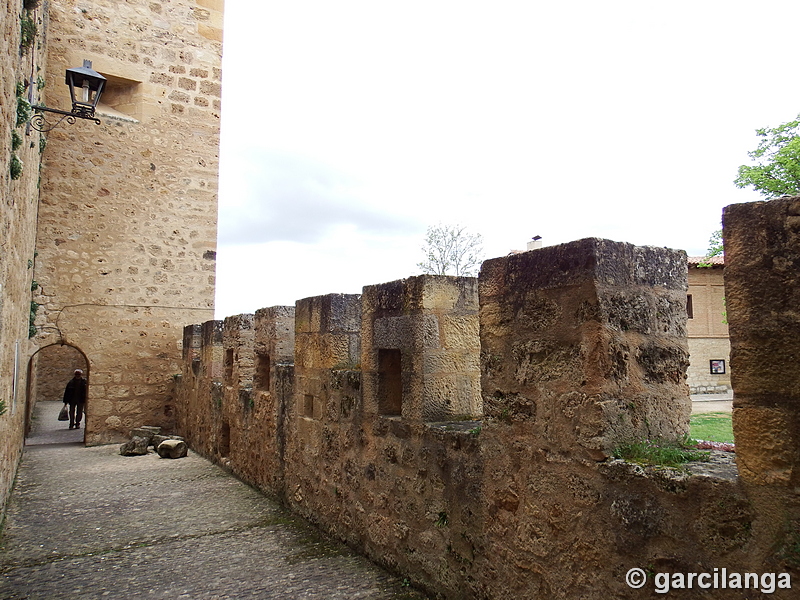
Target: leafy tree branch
[715, 248]
[777, 169]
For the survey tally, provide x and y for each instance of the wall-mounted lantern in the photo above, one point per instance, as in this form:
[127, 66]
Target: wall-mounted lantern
[85, 88]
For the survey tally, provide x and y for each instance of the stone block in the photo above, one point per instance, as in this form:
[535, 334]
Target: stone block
[762, 293]
[157, 439]
[137, 446]
[172, 449]
[460, 332]
[765, 450]
[586, 317]
[392, 332]
[274, 333]
[327, 331]
[146, 431]
[212, 333]
[417, 336]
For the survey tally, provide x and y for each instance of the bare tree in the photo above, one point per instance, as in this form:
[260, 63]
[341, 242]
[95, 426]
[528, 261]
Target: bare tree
[451, 250]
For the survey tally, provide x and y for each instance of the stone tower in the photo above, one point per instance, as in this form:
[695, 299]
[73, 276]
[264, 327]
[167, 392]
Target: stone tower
[126, 234]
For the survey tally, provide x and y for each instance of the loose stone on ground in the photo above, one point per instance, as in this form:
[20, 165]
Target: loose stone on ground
[89, 523]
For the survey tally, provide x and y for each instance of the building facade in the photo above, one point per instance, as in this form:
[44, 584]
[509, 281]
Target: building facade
[707, 328]
[19, 168]
[109, 233]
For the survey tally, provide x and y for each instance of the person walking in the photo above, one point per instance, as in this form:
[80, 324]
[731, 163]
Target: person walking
[75, 396]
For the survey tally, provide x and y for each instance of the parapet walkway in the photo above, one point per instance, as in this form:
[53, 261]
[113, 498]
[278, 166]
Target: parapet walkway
[87, 523]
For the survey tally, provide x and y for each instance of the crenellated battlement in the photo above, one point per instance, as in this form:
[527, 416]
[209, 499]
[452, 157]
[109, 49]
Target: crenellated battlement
[470, 439]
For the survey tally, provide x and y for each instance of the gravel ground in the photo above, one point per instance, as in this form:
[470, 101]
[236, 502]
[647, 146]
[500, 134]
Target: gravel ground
[85, 523]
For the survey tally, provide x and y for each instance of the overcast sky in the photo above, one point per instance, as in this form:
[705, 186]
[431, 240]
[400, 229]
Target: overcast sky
[350, 127]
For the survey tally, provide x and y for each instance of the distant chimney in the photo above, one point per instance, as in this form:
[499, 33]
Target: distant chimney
[535, 243]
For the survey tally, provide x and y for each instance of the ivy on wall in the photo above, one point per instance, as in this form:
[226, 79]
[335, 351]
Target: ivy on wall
[27, 31]
[23, 111]
[15, 166]
[31, 326]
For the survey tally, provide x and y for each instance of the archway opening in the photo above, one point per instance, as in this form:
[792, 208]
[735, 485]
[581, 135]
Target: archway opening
[49, 370]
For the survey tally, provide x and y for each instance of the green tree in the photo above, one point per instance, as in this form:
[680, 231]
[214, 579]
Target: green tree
[451, 250]
[777, 169]
[715, 248]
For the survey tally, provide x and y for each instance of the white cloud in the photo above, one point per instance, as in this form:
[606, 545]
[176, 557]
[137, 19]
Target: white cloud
[291, 198]
[348, 127]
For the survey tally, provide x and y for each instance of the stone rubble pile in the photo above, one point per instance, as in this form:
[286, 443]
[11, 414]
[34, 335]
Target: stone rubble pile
[167, 446]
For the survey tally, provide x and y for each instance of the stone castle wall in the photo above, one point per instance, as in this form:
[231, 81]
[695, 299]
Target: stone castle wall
[580, 347]
[762, 287]
[127, 224]
[19, 66]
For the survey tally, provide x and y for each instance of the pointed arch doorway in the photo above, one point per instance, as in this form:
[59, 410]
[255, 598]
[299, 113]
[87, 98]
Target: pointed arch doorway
[49, 370]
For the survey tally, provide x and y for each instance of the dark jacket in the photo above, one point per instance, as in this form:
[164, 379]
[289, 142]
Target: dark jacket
[75, 392]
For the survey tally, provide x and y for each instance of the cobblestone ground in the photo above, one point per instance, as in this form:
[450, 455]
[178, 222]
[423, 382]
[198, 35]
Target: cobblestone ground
[85, 523]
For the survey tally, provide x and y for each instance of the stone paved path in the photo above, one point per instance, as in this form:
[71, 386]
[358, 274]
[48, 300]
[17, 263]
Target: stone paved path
[708, 403]
[86, 523]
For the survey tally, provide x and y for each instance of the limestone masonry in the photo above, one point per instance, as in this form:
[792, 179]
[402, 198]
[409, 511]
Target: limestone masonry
[127, 218]
[109, 232]
[462, 431]
[18, 199]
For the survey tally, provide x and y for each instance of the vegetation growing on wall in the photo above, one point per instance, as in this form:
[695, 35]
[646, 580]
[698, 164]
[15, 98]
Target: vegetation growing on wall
[23, 111]
[15, 167]
[31, 326]
[27, 31]
[659, 452]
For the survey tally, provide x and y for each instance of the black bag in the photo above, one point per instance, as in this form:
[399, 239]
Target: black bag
[63, 415]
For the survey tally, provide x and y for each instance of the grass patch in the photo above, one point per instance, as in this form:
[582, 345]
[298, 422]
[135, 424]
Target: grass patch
[660, 452]
[712, 427]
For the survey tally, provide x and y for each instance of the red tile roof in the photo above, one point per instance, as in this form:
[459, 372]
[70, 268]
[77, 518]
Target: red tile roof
[714, 260]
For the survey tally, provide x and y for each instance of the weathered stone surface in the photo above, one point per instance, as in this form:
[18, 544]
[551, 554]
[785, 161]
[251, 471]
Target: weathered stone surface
[586, 342]
[18, 218]
[172, 449]
[137, 446]
[518, 497]
[762, 290]
[147, 432]
[157, 439]
[430, 323]
[127, 209]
